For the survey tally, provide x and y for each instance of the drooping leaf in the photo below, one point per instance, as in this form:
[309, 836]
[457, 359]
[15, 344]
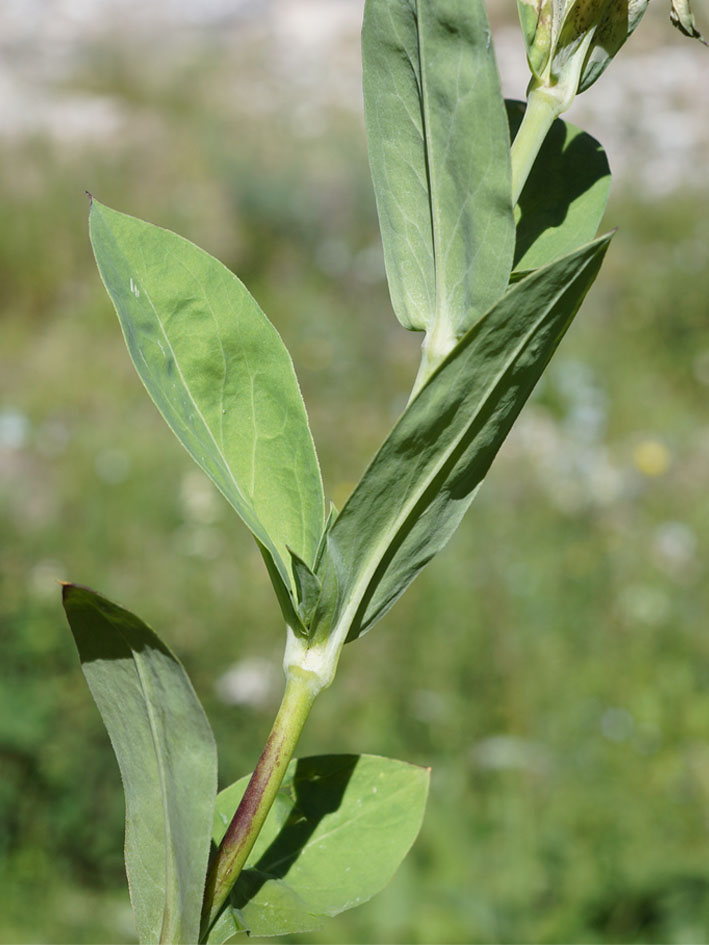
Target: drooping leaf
[439, 155]
[339, 828]
[417, 488]
[167, 757]
[220, 375]
[565, 197]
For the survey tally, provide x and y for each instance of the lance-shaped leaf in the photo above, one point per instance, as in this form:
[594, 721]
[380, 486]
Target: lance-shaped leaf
[417, 488]
[220, 375]
[338, 830]
[565, 197]
[167, 757]
[439, 155]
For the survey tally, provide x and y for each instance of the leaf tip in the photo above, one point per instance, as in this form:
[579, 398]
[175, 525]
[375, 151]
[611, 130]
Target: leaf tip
[67, 587]
[71, 587]
[68, 596]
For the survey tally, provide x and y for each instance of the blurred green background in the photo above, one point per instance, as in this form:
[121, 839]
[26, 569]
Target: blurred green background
[552, 666]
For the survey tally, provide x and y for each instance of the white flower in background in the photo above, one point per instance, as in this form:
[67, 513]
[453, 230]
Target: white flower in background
[14, 429]
[199, 499]
[510, 753]
[250, 682]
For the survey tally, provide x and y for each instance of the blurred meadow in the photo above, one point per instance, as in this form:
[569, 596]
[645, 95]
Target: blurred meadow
[552, 665]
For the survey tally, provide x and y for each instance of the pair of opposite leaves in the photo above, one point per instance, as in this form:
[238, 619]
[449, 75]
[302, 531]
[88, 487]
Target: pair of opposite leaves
[223, 380]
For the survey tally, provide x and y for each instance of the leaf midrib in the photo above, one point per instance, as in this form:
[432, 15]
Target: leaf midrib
[171, 873]
[186, 386]
[431, 178]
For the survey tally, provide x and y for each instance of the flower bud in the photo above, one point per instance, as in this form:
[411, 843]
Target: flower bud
[682, 17]
[570, 42]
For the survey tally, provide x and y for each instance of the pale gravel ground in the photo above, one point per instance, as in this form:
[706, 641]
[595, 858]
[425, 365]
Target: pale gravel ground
[650, 109]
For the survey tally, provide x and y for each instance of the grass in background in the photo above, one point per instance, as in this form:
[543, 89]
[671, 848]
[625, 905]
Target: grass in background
[550, 665]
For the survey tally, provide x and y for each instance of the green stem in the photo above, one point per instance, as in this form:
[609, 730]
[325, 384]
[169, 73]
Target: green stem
[301, 690]
[542, 110]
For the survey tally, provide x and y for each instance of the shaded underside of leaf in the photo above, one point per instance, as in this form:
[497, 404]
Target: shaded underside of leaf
[220, 375]
[339, 829]
[439, 155]
[167, 758]
[565, 197]
[423, 478]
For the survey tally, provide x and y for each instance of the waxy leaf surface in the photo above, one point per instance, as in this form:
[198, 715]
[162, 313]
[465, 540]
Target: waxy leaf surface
[422, 480]
[565, 197]
[339, 828]
[439, 155]
[167, 757]
[220, 375]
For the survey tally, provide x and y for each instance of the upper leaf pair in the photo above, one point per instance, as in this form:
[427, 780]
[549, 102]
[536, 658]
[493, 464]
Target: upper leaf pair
[439, 155]
[223, 380]
[439, 150]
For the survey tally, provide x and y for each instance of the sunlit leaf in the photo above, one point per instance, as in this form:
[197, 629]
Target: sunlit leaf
[220, 375]
[339, 828]
[564, 199]
[439, 154]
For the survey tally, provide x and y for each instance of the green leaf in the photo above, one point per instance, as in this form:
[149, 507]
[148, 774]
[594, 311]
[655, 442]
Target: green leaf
[439, 155]
[422, 480]
[167, 756]
[565, 196]
[219, 374]
[339, 828]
